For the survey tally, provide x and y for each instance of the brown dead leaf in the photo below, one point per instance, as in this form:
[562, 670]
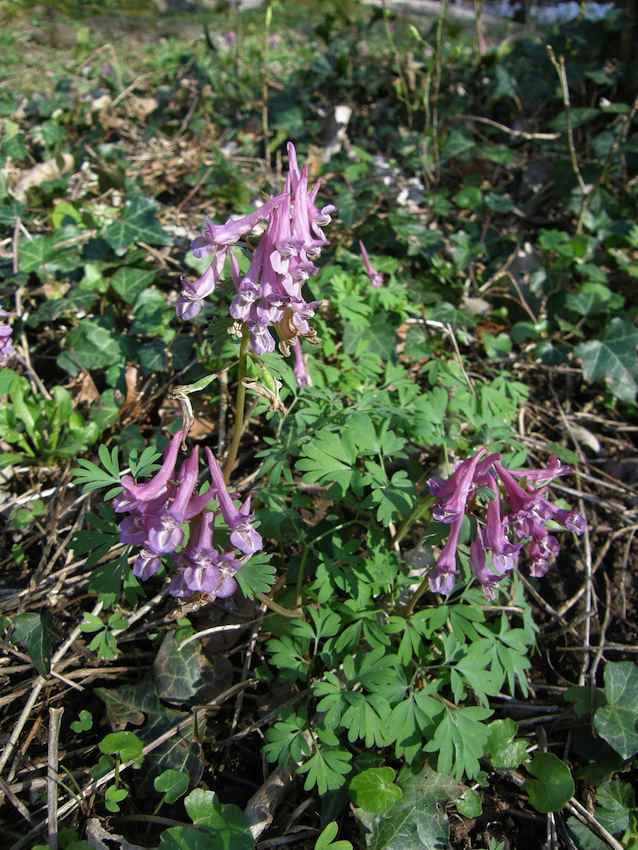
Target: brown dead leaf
[88, 391]
[204, 416]
[132, 409]
[49, 170]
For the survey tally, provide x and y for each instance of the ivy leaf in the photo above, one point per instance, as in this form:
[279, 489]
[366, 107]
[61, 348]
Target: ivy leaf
[129, 282]
[35, 253]
[553, 785]
[613, 359]
[374, 790]
[35, 633]
[617, 722]
[615, 801]
[178, 672]
[416, 821]
[90, 346]
[137, 224]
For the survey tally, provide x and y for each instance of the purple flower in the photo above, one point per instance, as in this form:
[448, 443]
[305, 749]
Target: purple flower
[555, 468]
[376, 279]
[510, 525]
[443, 575]
[270, 293]
[301, 373]
[504, 553]
[146, 565]
[165, 533]
[135, 493]
[239, 521]
[478, 563]
[215, 236]
[6, 345]
[452, 495]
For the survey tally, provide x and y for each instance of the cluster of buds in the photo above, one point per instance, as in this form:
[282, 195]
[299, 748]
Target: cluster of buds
[161, 510]
[270, 294]
[6, 345]
[515, 519]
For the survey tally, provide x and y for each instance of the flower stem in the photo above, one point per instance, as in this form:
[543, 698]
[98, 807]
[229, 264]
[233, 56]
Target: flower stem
[416, 514]
[240, 404]
[418, 593]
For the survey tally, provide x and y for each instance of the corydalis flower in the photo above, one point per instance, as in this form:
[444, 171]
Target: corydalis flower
[239, 520]
[376, 278]
[269, 296]
[6, 344]
[512, 523]
[159, 512]
[300, 370]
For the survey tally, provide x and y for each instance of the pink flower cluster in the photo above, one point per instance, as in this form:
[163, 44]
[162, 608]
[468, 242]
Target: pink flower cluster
[515, 520]
[159, 511]
[6, 345]
[269, 295]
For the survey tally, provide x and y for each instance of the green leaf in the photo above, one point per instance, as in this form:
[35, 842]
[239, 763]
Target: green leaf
[327, 768]
[615, 801]
[374, 790]
[416, 821]
[553, 785]
[179, 673]
[231, 830]
[173, 784]
[617, 722]
[136, 224]
[35, 633]
[126, 745]
[504, 750]
[90, 346]
[613, 359]
[470, 804]
[326, 839]
[84, 723]
[257, 575]
[34, 253]
[578, 115]
[129, 282]
[460, 740]
[585, 838]
[113, 796]
[328, 459]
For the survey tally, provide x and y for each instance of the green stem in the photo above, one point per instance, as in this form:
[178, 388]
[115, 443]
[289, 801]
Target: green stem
[418, 593]
[240, 404]
[416, 514]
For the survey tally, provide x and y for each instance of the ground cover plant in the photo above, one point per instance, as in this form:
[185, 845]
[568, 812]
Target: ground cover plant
[318, 460]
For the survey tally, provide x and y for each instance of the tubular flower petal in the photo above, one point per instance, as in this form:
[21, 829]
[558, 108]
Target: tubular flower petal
[509, 525]
[376, 279]
[301, 373]
[155, 486]
[242, 534]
